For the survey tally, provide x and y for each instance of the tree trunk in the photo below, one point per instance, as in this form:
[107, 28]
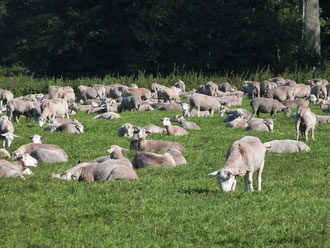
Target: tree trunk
[310, 16]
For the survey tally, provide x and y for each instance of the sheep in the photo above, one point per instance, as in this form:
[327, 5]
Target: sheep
[115, 168]
[226, 87]
[46, 153]
[4, 153]
[300, 103]
[17, 168]
[203, 102]
[243, 157]
[53, 109]
[36, 139]
[251, 88]
[230, 100]
[154, 87]
[286, 146]
[85, 93]
[263, 125]
[180, 85]
[322, 119]
[151, 128]
[267, 105]
[233, 115]
[52, 127]
[265, 86]
[185, 108]
[168, 94]
[15, 108]
[305, 121]
[238, 122]
[107, 116]
[5, 97]
[302, 90]
[282, 93]
[140, 143]
[320, 91]
[6, 131]
[172, 130]
[169, 106]
[115, 153]
[130, 103]
[184, 123]
[170, 158]
[126, 130]
[145, 94]
[71, 127]
[316, 81]
[210, 89]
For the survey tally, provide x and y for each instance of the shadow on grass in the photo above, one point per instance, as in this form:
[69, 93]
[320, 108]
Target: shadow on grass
[196, 191]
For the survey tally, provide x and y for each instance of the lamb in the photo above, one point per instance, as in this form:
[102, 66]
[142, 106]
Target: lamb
[6, 131]
[53, 109]
[300, 103]
[282, 93]
[107, 116]
[267, 105]
[185, 108]
[126, 130]
[238, 112]
[173, 130]
[263, 125]
[18, 167]
[140, 143]
[184, 123]
[286, 146]
[243, 157]
[130, 103]
[46, 153]
[203, 102]
[170, 158]
[322, 119]
[70, 127]
[36, 139]
[151, 128]
[305, 121]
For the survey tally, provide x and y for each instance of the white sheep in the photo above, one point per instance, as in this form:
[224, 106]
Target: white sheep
[173, 130]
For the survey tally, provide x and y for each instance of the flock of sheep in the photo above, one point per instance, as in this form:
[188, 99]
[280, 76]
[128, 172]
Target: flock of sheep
[243, 157]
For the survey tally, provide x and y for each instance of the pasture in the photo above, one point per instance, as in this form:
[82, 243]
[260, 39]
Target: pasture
[170, 207]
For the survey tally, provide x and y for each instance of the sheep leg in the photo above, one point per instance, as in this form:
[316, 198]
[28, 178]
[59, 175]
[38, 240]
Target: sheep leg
[306, 133]
[212, 112]
[198, 111]
[233, 187]
[259, 175]
[250, 173]
[297, 128]
[312, 130]
[246, 182]
[189, 111]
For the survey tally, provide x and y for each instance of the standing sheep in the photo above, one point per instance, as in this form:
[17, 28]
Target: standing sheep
[305, 121]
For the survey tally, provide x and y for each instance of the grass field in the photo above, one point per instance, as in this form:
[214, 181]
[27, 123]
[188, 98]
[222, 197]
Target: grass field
[170, 207]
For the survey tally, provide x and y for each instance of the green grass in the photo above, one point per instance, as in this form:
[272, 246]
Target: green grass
[170, 207]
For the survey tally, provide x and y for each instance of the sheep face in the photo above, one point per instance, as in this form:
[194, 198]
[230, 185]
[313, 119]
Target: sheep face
[185, 106]
[42, 121]
[270, 124]
[226, 180]
[7, 139]
[80, 128]
[128, 129]
[29, 161]
[287, 112]
[36, 139]
[166, 121]
[27, 171]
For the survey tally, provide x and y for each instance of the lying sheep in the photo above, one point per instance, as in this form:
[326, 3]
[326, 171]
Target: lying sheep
[170, 158]
[282, 93]
[36, 139]
[238, 122]
[140, 143]
[4, 153]
[305, 121]
[184, 123]
[263, 125]
[185, 108]
[322, 119]
[107, 116]
[173, 130]
[230, 100]
[243, 157]
[126, 130]
[52, 127]
[151, 128]
[300, 103]
[267, 105]
[203, 102]
[17, 168]
[286, 146]
[70, 127]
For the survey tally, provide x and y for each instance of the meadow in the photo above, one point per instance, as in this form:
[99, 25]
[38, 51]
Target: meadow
[170, 207]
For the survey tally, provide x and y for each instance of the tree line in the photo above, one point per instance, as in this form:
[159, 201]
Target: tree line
[97, 37]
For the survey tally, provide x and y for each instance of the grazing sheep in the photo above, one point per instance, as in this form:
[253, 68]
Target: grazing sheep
[140, 143]
[185, 108]
[184, 123]
[55, 108]
[203, 102]
[305, 121]
[173, 130]
[322, 119]
[107, 116]
[15, 108]
[85, 93]
[282, 93]
[18, 167]
[126, 130]
[36, 139]
[130, 103]
[267, 105]
[243, 157]
[263, 125]
[286, 146]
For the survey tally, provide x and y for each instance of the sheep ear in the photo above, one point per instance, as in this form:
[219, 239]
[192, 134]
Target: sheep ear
[162, 119]
[78, 162]
[42, 137]
[30, 137]
[214, 173]
[15, 136]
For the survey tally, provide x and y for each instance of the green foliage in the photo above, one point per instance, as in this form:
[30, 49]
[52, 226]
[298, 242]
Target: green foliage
[169, 207]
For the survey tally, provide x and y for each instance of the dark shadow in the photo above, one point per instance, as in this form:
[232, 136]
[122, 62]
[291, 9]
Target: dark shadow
[196, 190]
